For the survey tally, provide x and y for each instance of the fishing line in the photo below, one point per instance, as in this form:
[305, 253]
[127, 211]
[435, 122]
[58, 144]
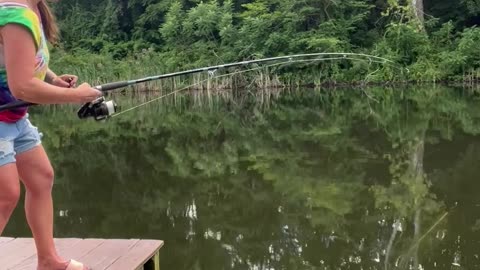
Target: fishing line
[197, 83]
[211, 72]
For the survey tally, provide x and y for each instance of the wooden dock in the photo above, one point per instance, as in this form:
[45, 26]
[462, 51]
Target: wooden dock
[98, 254]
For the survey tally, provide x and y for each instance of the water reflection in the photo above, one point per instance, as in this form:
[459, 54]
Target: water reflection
[379, 179]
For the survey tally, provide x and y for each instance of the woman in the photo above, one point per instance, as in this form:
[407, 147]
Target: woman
[25, 28]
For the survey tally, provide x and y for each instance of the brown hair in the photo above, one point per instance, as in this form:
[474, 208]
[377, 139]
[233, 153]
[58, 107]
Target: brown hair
[48, 21]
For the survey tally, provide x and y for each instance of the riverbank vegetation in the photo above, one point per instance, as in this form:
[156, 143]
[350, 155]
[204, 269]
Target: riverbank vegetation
[431, 41]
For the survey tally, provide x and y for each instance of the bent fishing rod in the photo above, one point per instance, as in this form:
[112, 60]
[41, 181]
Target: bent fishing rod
[100, 109]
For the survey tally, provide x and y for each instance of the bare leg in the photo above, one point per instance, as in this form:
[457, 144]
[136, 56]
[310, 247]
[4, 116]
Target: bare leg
[37, 174]
[9, 193]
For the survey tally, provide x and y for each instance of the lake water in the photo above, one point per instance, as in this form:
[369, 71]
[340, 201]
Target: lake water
[302, 179]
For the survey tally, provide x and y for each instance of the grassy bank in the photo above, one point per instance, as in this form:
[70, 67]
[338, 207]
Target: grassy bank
[99, 68]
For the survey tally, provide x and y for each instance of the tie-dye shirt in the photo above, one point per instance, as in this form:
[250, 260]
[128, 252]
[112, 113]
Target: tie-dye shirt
[21, 15]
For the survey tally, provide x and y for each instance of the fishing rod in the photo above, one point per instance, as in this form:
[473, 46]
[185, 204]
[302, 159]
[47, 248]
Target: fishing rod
[100, 109]
[232, 74]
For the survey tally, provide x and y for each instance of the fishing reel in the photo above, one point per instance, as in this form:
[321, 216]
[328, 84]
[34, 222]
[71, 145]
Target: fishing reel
[99, 109]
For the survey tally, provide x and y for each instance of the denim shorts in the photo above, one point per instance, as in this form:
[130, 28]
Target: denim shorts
[16, 138]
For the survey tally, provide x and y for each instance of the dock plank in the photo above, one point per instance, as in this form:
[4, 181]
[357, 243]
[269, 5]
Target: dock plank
[82, 248]
[109, 252]
[5, 240]
[16, 251]
[138, 255]
[60, 244]
[100, 254]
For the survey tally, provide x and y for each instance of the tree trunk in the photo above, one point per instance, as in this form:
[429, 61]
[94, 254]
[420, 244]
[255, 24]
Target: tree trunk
[418, 8]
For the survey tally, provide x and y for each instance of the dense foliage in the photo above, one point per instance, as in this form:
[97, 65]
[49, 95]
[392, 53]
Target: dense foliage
[167, 35]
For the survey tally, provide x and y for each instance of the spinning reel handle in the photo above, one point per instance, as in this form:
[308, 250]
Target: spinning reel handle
[99, 109]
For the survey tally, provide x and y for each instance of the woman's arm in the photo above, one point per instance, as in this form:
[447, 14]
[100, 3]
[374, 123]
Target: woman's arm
[19, 53]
